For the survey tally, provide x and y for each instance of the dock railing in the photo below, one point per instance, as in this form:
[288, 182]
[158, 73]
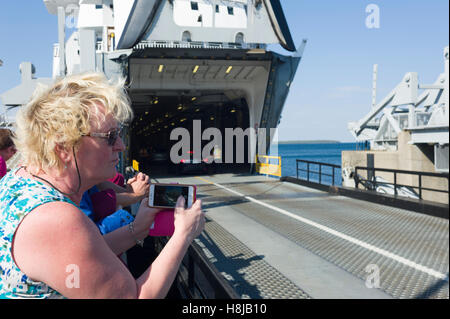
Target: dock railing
[371, 182]
[313, 175]
[197, 277]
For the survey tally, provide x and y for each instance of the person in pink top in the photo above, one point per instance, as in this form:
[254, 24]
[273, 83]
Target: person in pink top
[118, 180]
[7, 149]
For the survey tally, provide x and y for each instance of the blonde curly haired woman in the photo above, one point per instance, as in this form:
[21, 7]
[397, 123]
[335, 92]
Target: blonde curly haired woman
[69, 139]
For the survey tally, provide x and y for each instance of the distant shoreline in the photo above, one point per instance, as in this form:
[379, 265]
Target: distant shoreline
[309, 142]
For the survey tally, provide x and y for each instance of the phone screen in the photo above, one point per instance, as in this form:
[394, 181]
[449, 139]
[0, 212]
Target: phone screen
[167, 196]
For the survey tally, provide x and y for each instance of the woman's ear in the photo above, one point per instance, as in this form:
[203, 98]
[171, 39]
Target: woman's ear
[64, 154]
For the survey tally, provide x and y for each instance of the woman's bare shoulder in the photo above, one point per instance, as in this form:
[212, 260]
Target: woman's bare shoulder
[57, 235]
[58, 216]
[49, 227]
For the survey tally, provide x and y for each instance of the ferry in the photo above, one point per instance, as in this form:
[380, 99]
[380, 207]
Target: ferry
[183, 61]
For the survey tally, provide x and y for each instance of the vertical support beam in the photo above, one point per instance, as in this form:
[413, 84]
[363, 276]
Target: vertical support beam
[395, 183]
[320, 173]
[307, 171]
[213, 6]
[420, 185]
[374, 86]
[446, 84]
[26, 71]
[412, 116]
[370, 168]
[332, 179]
[414, 84]
[62, 40]
[105, 38]
[87, 49]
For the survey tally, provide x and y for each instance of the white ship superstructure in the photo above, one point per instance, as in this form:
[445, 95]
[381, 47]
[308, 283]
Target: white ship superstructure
[183, 60]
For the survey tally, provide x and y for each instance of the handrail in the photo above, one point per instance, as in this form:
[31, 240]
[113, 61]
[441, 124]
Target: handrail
[197, 277]
[320, 173]
[196, 45]
[372, 183]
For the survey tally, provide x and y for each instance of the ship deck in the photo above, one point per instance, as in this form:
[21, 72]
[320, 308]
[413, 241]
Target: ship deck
[274, 239]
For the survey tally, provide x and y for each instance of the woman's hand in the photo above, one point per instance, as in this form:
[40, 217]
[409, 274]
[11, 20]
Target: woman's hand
[139, 185]
[189, 222]
[144, 219]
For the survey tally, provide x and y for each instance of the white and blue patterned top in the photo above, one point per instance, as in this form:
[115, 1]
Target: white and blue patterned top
[18, 197]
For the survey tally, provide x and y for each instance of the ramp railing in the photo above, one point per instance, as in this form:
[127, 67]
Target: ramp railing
[318, 172]
[372, 182]
[197, 277]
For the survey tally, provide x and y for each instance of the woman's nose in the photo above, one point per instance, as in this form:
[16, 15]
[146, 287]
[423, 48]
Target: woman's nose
[119, 145]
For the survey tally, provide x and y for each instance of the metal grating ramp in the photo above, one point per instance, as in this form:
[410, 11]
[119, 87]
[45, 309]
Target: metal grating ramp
[419, 238]
[248, 273]
[340, 235]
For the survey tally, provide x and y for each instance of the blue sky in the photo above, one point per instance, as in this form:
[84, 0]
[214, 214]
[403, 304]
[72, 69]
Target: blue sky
[334, 81]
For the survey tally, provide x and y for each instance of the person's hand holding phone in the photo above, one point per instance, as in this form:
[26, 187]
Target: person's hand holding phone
[189, 221]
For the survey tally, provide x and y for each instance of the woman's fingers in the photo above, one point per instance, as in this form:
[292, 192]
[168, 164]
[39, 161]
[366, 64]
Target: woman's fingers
[189, 221]
[180, 203]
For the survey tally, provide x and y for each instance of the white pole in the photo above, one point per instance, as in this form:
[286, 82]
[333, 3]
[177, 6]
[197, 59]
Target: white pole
[62, 40]
[446, 90]
[374, 86]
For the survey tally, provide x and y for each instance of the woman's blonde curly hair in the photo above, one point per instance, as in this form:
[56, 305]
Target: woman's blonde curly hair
[60, 115]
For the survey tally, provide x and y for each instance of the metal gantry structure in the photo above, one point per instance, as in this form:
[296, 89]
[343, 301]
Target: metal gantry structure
[421, 110]
[425, 115]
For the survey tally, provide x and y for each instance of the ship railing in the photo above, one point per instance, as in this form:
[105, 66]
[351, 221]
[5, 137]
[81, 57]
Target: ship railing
[318, 172]
[197, 277]
[373, 182]
[196, 45]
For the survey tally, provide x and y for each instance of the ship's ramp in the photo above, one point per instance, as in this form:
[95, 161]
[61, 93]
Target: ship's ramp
[273, 239]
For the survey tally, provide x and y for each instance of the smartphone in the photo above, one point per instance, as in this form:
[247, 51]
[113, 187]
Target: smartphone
[166, 195]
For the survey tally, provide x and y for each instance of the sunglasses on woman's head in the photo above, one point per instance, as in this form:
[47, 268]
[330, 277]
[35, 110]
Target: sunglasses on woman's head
[111, 136]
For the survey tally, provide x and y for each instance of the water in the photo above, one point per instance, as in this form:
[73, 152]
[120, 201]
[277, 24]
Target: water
[329, 153]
